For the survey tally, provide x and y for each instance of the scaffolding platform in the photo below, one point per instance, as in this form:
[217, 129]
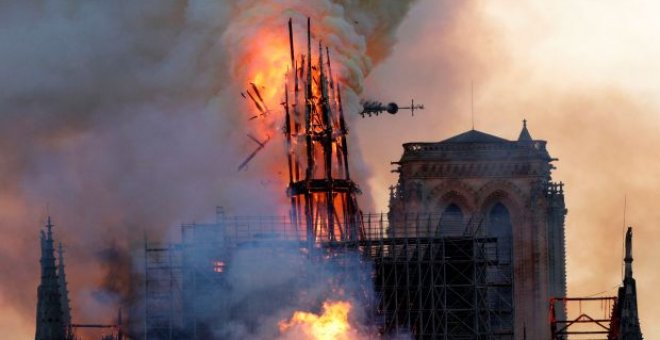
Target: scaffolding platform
[431, 284]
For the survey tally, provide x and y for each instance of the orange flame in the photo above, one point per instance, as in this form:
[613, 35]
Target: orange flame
[266, 63]
[332, 324]
[261, 70]
[270, 69]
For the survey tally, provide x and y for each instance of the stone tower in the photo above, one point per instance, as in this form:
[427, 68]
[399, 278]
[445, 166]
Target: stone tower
[477, 184]
[50, 319]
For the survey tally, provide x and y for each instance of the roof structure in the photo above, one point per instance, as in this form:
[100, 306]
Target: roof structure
[474, 136]
[478, 145]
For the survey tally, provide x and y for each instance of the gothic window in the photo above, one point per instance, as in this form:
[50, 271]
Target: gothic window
[500, 294]
[451, 221]
[499, 225]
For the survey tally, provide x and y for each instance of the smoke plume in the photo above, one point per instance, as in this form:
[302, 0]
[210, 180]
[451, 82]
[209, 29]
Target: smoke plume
[123, 118]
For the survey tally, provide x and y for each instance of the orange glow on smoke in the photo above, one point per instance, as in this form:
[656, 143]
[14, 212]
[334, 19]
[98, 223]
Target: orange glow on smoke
[263, 65]
[332, 324]
[267, 62]
[270, 62]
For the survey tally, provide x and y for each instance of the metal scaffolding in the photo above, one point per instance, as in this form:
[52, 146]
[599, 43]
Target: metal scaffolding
[162, 291]
[438, 279]
[433, 287]
[422, 282]
[590, 317]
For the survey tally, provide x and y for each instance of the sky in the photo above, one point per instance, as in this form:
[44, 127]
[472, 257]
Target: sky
[584, 75]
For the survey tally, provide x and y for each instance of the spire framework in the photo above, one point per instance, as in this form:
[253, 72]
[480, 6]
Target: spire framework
[322, 194]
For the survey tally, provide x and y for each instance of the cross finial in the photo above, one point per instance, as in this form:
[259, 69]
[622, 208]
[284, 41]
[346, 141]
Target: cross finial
[524, 123]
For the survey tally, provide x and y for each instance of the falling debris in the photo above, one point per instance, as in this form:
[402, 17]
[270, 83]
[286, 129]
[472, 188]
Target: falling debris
[257, 100]
[254, 153]
[256, 91]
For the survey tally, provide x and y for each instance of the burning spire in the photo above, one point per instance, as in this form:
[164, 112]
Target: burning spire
[322, 194]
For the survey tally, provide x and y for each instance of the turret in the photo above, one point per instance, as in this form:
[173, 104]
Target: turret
[64, 291]
[50, 318]
[625, 317]
[524, 133]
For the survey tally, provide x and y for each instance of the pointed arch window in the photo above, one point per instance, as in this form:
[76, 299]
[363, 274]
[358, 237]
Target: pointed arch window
[500, 295]
[451, 221]
[499, 226]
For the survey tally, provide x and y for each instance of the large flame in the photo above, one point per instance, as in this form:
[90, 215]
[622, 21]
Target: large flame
[268, 61]
[298, 95]
[331, 324]
[270, 66]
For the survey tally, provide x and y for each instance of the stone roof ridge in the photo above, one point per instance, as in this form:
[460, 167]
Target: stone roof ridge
[474, 136]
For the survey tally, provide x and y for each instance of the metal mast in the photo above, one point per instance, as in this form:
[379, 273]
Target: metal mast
[323, 196]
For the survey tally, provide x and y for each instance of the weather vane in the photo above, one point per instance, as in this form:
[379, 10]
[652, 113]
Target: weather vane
[375, 108]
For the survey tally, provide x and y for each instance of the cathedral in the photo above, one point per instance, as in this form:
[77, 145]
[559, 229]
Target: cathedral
[473, 247]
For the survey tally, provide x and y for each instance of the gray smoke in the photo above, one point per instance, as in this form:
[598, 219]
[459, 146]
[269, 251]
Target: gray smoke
[267, 281]
[123, 118]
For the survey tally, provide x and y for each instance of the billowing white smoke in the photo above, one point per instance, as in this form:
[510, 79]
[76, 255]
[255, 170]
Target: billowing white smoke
[359, 33]
[266, 281]
[124, 117]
